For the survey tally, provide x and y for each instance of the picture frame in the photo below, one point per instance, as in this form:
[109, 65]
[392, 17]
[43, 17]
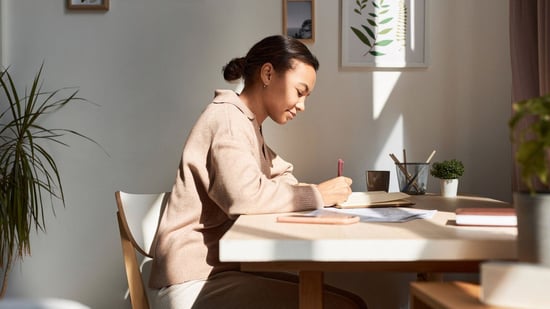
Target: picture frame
[385, 34]
[299, 19]
[94, 5]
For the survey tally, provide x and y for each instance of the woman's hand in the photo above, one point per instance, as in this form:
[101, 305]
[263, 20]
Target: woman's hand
[335, 190]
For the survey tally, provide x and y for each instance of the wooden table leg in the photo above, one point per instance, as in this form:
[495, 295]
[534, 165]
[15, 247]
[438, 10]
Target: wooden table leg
[311, 290]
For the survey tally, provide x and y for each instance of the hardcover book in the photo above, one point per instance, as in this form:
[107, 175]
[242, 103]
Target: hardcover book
[503, 216]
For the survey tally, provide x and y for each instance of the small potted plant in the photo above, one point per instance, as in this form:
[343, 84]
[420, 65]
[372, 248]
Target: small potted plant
[530, 135]
[448, 171]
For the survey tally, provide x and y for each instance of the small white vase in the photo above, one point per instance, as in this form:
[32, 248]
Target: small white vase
[449, 187]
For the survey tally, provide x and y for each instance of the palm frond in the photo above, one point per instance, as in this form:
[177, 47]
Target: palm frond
[29, 175]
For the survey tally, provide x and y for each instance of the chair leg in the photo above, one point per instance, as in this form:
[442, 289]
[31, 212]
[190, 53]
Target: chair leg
[138, 294]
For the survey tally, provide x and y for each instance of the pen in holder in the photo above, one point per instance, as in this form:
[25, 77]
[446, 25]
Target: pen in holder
[412, 177]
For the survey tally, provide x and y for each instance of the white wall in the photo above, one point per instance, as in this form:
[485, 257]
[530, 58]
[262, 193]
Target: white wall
[151, 66]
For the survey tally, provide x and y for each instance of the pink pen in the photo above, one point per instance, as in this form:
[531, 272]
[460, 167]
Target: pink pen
[340, 167]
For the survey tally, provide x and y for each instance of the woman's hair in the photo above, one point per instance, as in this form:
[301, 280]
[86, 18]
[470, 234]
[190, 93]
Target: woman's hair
[278, 50]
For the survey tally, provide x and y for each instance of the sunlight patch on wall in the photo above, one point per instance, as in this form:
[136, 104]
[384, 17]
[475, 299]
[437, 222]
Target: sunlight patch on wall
[383, 84]
[395, 140]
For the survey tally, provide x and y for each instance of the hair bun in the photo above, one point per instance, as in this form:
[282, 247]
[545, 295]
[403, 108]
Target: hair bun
[234, 69]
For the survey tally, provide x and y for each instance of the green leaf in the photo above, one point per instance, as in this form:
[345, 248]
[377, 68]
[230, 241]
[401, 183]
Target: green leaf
[371, 22]
[530, 132]
[376, 53]
[362, 37]
[369, 31]
[387, 20]
[383, 43]
[385, 31]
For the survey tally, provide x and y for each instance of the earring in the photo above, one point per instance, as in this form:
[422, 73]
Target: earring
[265, 85]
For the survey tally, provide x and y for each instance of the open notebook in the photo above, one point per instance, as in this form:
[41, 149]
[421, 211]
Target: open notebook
[375, 199]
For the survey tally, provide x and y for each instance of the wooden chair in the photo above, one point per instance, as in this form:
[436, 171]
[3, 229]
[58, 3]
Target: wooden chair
[138, 217]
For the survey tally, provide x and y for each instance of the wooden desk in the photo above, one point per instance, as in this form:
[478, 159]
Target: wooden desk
[446, 295]
[433, 245]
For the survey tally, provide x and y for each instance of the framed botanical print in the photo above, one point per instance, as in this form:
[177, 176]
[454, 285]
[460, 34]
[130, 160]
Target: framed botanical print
[384, 33]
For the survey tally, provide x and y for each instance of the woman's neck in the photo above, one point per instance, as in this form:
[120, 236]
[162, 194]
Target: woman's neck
[252, 98]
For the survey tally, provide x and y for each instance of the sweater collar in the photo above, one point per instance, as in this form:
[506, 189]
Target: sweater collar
[230, 97]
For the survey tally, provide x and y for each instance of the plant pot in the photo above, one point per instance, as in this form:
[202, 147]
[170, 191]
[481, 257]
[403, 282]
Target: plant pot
[533, 217]
[449, 187]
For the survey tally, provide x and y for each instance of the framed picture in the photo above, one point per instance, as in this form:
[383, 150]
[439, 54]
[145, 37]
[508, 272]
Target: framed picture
[100, 5]
[384, 34]
[299, 19]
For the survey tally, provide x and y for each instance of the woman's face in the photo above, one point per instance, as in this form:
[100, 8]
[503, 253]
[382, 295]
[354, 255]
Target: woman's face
[286, 92]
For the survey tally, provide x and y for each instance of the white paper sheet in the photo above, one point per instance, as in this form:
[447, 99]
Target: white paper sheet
[384, 214]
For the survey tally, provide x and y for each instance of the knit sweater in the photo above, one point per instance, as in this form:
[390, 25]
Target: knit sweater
[226, 170]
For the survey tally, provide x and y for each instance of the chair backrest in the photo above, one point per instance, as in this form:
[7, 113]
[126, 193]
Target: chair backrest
[138, 216]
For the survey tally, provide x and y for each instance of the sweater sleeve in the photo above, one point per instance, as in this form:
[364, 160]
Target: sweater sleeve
[240, 183]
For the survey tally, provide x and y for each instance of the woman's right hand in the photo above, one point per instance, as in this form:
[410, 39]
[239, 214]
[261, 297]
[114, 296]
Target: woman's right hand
[335, 190]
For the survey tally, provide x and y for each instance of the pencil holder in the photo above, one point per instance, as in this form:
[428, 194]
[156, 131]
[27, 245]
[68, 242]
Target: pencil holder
[413, 177]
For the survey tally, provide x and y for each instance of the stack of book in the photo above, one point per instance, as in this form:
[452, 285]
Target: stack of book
[504, 216]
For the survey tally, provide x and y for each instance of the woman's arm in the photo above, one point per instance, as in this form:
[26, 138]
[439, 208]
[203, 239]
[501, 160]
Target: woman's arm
[242, 184]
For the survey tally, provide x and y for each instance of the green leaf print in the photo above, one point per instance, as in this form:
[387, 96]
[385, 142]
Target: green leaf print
[385, 25]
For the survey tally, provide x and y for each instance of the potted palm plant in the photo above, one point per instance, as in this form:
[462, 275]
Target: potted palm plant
[29, 176]
[530, 135]
[448, 172]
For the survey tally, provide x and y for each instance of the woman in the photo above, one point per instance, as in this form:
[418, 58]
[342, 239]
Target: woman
[227, 170]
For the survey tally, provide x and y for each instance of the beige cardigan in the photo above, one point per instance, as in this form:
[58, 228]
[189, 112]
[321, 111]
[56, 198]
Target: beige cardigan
[226, 170]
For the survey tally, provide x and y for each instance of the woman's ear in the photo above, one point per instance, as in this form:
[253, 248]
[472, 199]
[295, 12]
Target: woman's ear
[266, 73]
